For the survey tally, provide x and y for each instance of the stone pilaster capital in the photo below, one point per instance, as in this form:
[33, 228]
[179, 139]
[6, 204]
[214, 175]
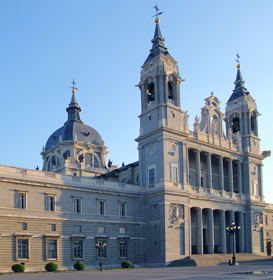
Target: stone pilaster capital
[219, 156]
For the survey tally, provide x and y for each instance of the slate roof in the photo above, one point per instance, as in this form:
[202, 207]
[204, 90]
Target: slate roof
[158, 45]
[239, 89]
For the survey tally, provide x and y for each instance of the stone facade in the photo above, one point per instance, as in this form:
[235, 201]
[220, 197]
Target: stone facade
[177, 200]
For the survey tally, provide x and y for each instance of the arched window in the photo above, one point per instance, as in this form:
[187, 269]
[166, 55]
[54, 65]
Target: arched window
[253, 122]
[170, 91]
[54, 161]
[235, 125]
[151, 93]
[91, 160]
[125, 181]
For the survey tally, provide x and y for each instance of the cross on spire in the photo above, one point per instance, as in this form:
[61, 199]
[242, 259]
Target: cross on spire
[238, 57]
[157, 11]
[73, 87]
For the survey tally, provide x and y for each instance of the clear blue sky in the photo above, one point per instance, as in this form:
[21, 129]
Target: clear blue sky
[102, 44]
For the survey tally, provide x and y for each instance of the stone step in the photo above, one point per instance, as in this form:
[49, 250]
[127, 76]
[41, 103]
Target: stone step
[218, 259]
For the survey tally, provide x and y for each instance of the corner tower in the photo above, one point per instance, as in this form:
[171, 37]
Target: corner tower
[242, 116]
[161, 115]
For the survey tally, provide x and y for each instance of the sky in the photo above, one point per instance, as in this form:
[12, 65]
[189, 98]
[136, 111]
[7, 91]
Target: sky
[102, 44]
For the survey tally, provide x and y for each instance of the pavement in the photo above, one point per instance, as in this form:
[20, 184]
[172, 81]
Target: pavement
[253, 270]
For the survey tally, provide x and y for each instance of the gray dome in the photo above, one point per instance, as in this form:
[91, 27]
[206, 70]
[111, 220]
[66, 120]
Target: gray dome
[73, 126]
[84, 134]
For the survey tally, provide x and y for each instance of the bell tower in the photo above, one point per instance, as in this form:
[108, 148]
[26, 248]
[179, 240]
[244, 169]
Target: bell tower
[242, 116]
[161, 115]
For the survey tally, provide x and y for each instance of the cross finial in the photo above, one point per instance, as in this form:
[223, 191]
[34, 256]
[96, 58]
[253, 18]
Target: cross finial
[238, 61]
[238, 57]
[73, 87]
[157, 11]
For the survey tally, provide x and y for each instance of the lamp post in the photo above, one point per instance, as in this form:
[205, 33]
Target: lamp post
[101, 246]
[231, 231]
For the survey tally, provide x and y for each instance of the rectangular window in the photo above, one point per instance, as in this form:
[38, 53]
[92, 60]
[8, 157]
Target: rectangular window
[122, 230]
[151, 176]
[52, 249]
[101, 249]
[50, 203]
[100, 229]
[174, 174]
[22, 247]
[123, 249]
[77, 249]
[53, 227]
[24, 226]
[77, 205]
[101, 205]
[21, 200]
[122, 209]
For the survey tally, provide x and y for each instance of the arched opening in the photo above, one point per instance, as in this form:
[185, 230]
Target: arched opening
[54, 161]
[235, 125]
[91, 160]
[170, 91]
[66, 154]
[253, 123]
[150, 93]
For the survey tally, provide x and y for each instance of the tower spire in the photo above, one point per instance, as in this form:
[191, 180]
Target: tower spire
[239, 89]
[74, 109]
[158, 40]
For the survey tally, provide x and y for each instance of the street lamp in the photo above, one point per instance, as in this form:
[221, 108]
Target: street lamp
[231, 231]
[101, 246]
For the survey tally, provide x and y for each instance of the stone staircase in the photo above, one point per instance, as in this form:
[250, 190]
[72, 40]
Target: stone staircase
[219, 259]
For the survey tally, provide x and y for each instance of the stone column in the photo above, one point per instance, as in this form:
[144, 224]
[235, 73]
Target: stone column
[221, 173]
[165, 99]
[199, 231]
[177, 93]
[239, 176]
[231, 218]
[222, 232]
[198, 168]
[210, 232]
[185, 163]
[230, 175]
[189, 232]
[209, 173]
[188, 166]
[144, 98]
[241, 233]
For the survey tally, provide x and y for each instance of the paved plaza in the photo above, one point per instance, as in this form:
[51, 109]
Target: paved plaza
[252, 270]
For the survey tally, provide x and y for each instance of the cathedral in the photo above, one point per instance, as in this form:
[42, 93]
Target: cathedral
[176, 201]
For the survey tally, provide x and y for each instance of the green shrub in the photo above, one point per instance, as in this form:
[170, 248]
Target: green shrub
[18, 268]
[126, 264]
[51, 266]
[79, 265]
